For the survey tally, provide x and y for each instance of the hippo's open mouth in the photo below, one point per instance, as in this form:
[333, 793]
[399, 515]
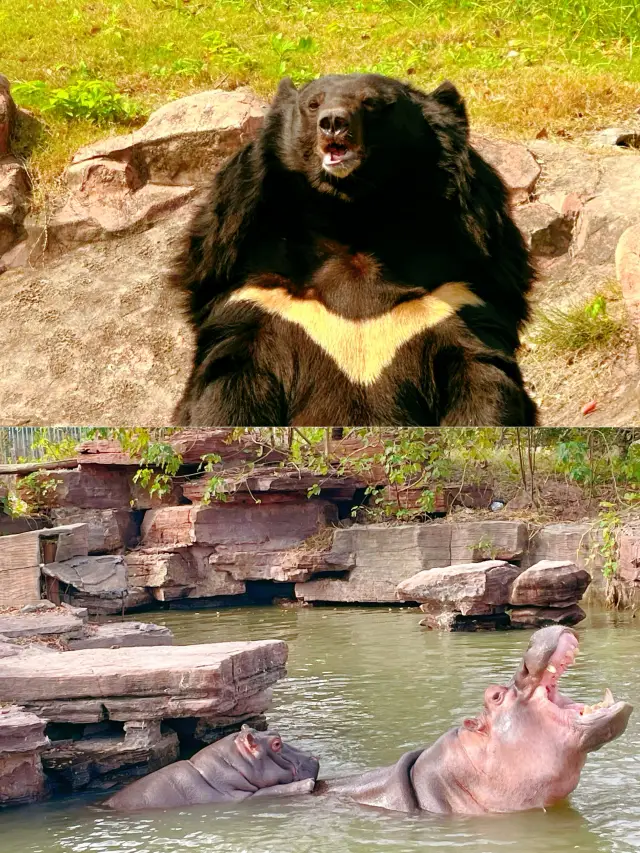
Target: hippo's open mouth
[564, 708]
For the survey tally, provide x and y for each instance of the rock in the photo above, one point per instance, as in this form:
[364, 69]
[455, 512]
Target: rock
[39, 607]
[547, 232]
[550, 583]
[58, 322]
[488, 540]
[539, 617]
[514, 162]
[99, 763]
[576, 543]
[466, 589]
[370, 560]
[128, 182]
[629, 556]
[139, 683]
[15, 189]
[118, 635]
[22, 739]
[108, 530]
[268, 527]
[182, 574]
[623, 137]
[7, 116]
[450, 620]
[62, 624]
[104, 576]
[628, 271]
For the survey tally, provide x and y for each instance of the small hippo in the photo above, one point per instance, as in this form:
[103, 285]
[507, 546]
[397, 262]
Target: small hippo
[244, 764]
[525, 750]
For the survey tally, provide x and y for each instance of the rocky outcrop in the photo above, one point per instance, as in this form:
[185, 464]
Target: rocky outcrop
[117, 713]
[22, 740]
[127, 183]
[207, 551]
[369, 561]
[495, 594]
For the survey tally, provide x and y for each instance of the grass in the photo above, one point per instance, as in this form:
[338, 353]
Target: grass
[587, 325]
[90, 67]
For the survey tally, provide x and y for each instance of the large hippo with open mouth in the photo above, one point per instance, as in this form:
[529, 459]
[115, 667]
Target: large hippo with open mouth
[242, 765]
[525, 750]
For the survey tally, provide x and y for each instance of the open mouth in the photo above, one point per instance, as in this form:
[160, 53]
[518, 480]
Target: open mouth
[561, 659]
[339, 159]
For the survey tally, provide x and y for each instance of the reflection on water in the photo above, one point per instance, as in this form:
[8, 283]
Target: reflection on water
[364, 686]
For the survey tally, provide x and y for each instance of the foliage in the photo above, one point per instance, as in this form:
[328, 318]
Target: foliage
[35, 492]
[53, 451]
[609, 522]
[94, 100]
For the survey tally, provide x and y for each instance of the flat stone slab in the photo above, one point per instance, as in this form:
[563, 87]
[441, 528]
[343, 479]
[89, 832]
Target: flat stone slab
[224, 672]
[550, 583]
[44, 624]
[103, 576]
[118, 635]
[467, 588]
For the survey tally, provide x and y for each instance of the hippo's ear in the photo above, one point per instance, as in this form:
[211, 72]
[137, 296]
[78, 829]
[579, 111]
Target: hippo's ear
[247, 741]
[475, 724]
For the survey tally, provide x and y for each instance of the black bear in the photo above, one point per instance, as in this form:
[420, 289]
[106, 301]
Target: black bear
[356, 264]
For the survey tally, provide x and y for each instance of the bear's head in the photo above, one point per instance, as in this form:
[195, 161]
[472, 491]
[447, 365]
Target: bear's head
[351, 130]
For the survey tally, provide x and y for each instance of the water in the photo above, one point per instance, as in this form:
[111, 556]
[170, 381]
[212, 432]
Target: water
[364, 686]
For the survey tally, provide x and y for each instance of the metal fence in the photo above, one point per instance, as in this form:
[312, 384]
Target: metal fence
[17, 442]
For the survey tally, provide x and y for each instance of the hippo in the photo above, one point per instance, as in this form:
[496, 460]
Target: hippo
[244, 764]
[525, 750]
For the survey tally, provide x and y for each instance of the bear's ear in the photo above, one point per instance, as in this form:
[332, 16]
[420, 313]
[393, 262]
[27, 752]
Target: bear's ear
[286, 90]
[447, 95]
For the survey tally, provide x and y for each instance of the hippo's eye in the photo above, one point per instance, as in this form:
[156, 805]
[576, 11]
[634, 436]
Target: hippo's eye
[276, 744]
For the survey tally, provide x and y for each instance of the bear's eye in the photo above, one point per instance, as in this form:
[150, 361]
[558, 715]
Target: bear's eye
[369, 103]
[313, 105]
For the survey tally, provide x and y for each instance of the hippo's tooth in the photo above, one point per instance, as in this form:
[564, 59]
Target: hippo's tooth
[608, 699]
[551, 668]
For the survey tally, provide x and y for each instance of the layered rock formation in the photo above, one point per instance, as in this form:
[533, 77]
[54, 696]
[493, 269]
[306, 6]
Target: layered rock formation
[116, 713]
[22, 740]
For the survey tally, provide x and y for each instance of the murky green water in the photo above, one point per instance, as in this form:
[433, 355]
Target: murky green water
[364, 686]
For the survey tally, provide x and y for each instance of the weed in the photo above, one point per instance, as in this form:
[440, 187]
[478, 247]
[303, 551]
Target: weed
[578, 327]
[93, 100]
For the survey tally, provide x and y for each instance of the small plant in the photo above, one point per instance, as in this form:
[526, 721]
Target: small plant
[94, 100]
[579, 327]
[37, 491]
[485, 548]
[609, 522]
[13, 505]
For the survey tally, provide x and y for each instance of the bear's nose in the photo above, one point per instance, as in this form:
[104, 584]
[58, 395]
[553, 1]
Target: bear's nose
[334, 121]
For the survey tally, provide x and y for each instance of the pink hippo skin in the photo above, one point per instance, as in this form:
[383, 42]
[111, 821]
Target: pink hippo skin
[525, 750]
[244, 764]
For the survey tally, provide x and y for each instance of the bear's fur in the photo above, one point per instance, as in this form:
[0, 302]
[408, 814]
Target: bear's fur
[356, 264]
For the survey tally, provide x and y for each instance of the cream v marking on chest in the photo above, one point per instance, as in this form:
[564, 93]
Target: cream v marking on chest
[362, 349]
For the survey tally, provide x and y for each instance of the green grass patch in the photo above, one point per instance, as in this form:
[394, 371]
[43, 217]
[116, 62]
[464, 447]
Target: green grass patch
[579, 327]
[559, 66]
